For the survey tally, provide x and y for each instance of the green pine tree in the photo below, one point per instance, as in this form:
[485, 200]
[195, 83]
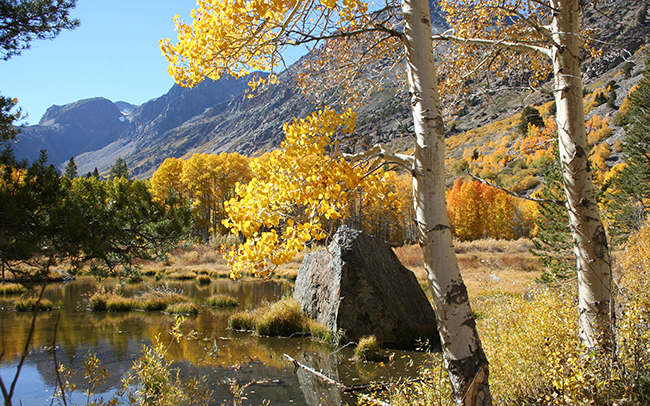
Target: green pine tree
[119, 170]
[628, 191]
[71, 169]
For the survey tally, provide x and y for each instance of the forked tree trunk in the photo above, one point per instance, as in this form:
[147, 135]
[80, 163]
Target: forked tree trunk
[590, 241]
[464, 357]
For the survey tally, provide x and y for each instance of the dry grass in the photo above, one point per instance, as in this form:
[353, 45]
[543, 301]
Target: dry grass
[283, 318]
[181, 275]
[222, 300]
[28, 305]
[486, 265]
[155, 299]
[11, 289]
[182, 308]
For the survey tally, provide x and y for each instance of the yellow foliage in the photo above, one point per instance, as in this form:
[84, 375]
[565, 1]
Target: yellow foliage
[208, 180]
[295, 192]
[238, 37]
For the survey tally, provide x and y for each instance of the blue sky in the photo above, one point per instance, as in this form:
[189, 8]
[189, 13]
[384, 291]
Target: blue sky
[113, 54]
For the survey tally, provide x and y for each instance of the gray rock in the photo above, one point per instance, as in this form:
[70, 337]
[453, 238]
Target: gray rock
[359, 286]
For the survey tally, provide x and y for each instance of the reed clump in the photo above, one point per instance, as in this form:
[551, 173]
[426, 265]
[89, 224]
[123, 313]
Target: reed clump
[368, 350]
[222, 300]
[29, 304]
[203, 279]
[283, 318]
[188, 308]
[12, 289]
[153, 299]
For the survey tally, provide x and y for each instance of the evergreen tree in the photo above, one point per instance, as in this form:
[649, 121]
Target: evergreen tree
[530, 115]
[8, 130]
[21, 22]
[119, 170]
[628, 191]
[553, 244]
[71, 169]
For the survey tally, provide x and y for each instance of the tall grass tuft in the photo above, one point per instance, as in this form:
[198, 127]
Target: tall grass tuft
[222, 300]
[368, 349]
[182, 308]
[28, 305]
[203, 279]
[11, 289]
[282, 318]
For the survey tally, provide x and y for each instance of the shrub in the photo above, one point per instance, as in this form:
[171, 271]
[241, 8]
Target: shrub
[11, 289]
[182, 308]
[27, 305]
[530, 116]
[527, 183]
[368, 349]
[222, 300]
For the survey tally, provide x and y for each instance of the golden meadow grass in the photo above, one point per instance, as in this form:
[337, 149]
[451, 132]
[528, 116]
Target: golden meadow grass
[151, 300]
[283, 318]
[222, 300]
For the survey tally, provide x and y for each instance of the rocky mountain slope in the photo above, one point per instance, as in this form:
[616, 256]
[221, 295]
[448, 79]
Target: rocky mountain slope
[218, 116]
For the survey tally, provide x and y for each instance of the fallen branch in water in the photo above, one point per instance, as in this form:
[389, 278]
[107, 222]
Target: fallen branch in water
[313, 371]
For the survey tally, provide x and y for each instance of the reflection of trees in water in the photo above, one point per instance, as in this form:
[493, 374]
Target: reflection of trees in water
[117, 339]
[315, 389]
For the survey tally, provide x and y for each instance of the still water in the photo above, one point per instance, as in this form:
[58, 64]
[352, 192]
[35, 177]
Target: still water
[216, 352]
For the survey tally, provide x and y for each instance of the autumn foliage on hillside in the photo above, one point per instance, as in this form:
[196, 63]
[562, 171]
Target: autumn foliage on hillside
[477, 210]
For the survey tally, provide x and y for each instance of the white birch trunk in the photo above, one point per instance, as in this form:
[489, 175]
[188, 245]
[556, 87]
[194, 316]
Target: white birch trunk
[464, 357]
[590, 241]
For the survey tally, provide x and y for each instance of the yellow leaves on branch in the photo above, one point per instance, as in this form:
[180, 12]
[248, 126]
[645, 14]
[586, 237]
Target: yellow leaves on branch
[238, 37]
[296, 192]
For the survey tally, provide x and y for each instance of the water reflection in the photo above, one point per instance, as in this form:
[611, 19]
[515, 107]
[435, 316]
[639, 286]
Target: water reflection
[220, 354]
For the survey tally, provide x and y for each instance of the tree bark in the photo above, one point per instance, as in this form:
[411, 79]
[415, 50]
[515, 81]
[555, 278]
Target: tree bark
[464, 357]
[590, 241]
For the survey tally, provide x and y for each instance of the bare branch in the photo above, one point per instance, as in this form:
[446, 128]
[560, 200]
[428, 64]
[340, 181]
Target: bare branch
[381, 151]
[533, 199]
[514, 46]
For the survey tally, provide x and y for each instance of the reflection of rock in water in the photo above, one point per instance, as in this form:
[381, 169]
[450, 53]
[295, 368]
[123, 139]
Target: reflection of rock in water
[318, 392]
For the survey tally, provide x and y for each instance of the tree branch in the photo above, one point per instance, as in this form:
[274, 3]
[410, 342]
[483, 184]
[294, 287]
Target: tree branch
[533, 199]
[514, 46]
[381, 151]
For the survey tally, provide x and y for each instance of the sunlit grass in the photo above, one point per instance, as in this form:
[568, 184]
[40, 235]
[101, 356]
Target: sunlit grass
[11, 289]
[222, 300]
[283, 318]
[28, 305]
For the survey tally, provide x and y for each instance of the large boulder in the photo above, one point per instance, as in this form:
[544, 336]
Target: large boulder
[359, 286]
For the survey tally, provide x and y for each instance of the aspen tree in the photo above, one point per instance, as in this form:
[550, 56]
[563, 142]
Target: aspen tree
[235, 37]
[540, 31]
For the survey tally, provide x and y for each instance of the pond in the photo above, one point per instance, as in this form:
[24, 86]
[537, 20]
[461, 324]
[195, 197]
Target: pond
[219, 354]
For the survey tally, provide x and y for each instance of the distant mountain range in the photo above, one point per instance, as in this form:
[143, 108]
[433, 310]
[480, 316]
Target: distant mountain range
[218, 116]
